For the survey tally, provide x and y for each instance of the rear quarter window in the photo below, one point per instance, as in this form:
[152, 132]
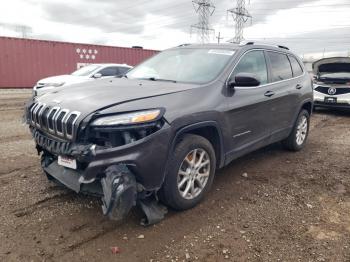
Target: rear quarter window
[123, 70]
[280, 66]
[297, 69]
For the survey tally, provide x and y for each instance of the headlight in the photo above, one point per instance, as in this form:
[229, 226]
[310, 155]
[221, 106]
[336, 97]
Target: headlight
[129, 118]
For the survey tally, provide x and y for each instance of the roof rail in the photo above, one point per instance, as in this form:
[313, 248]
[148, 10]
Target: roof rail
[184, 45]
[254, 43]
[283, 47]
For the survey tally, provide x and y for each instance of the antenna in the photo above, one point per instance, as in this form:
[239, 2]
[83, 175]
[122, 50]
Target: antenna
[240, 15]
[204, 9]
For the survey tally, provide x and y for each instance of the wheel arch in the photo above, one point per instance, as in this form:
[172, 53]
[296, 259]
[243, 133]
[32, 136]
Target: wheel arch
[209, 130]
[308, 106]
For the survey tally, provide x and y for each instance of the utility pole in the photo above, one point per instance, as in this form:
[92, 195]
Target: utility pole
[23, 30]
[204, 9]
[219, 38]
[240, 15]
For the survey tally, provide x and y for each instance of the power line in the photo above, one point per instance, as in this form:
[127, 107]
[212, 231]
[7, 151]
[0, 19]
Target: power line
[204, 9]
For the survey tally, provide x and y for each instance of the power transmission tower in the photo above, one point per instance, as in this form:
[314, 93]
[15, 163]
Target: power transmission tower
[240, 15]
[205, 9]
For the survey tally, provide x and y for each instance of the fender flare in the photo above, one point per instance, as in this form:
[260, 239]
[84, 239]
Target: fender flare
[191, 127]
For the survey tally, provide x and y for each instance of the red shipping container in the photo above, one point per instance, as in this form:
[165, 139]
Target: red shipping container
[25, 61]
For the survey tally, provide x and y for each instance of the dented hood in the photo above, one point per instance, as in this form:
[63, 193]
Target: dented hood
[89, 97]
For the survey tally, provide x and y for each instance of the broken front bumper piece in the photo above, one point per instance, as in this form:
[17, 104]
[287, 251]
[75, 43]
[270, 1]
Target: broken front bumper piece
[118, 189]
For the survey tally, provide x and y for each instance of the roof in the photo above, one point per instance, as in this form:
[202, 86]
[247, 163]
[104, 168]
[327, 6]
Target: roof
[238, 46]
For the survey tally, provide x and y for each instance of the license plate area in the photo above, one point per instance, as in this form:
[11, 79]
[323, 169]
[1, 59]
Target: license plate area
[330, 100]
[67, 162]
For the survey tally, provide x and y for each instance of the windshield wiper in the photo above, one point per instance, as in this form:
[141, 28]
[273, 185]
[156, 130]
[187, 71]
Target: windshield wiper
[159, 79]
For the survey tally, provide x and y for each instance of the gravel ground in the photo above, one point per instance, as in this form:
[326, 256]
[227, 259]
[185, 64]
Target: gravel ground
[271, 205]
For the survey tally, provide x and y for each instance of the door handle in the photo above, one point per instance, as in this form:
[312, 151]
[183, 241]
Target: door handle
[269, 93]
[299, 86]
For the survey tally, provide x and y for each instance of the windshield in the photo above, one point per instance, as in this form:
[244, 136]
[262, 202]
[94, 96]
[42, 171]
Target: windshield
[184, 65]
[86, 70]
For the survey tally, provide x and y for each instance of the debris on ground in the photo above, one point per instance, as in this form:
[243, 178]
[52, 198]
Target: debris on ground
[115, 250]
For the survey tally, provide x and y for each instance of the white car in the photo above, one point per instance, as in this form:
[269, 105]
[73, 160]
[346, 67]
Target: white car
[87, 73]
[332, 82]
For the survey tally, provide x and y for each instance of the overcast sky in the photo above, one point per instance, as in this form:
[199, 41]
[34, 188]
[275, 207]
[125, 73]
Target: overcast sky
[307, 26]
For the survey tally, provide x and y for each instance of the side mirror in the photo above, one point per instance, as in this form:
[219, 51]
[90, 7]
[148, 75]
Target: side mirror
[244, 80]
[97, 75]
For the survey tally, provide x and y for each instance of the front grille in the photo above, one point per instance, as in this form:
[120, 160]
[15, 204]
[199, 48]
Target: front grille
[339, 90]
[54, 120]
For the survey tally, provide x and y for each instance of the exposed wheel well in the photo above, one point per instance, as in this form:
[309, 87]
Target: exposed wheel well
[212, 135]
[308, 106]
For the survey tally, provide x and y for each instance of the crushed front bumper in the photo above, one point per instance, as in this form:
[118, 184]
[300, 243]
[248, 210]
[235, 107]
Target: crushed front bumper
[122, 176]
[145, 158]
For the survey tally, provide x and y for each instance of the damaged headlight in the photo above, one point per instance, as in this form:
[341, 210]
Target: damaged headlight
[125, 128]
[139, 117]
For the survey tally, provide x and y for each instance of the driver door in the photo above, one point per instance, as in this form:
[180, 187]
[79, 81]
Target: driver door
[249, 107]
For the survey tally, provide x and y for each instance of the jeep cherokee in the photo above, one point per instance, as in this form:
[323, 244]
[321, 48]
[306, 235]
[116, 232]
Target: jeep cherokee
[160, 132]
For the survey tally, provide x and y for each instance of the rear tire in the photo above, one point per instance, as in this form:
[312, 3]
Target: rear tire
[190, 173]
[297, 139]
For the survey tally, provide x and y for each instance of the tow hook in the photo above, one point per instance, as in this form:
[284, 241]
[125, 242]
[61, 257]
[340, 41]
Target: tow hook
[119, 189]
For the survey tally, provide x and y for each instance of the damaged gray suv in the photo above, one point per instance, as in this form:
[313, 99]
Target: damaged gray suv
[158, 134]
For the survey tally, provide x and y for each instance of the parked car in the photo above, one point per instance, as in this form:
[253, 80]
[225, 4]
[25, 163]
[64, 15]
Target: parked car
[164, 129]
[332, 82]
[86, 73]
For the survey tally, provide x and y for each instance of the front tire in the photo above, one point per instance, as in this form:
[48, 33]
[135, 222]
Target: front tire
[297, 139]
[190, 173]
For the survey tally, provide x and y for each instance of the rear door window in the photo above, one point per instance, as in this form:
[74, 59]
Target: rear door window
[254, 63]
[297, 69]
[109, 71]
[280, 66]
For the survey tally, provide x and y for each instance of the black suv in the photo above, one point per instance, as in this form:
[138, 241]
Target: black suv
[160, 132]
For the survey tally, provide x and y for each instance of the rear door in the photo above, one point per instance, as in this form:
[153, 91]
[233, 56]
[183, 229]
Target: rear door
[283, 99]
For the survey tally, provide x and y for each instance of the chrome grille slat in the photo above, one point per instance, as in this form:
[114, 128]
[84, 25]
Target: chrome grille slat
[32, 113]
[39, 113]
[50, 119]
[69, 135]
[55, 120]
[35, 114]
[59, 121]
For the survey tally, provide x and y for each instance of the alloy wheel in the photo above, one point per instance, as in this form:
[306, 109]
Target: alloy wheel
[193, 174]
[302, 130]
